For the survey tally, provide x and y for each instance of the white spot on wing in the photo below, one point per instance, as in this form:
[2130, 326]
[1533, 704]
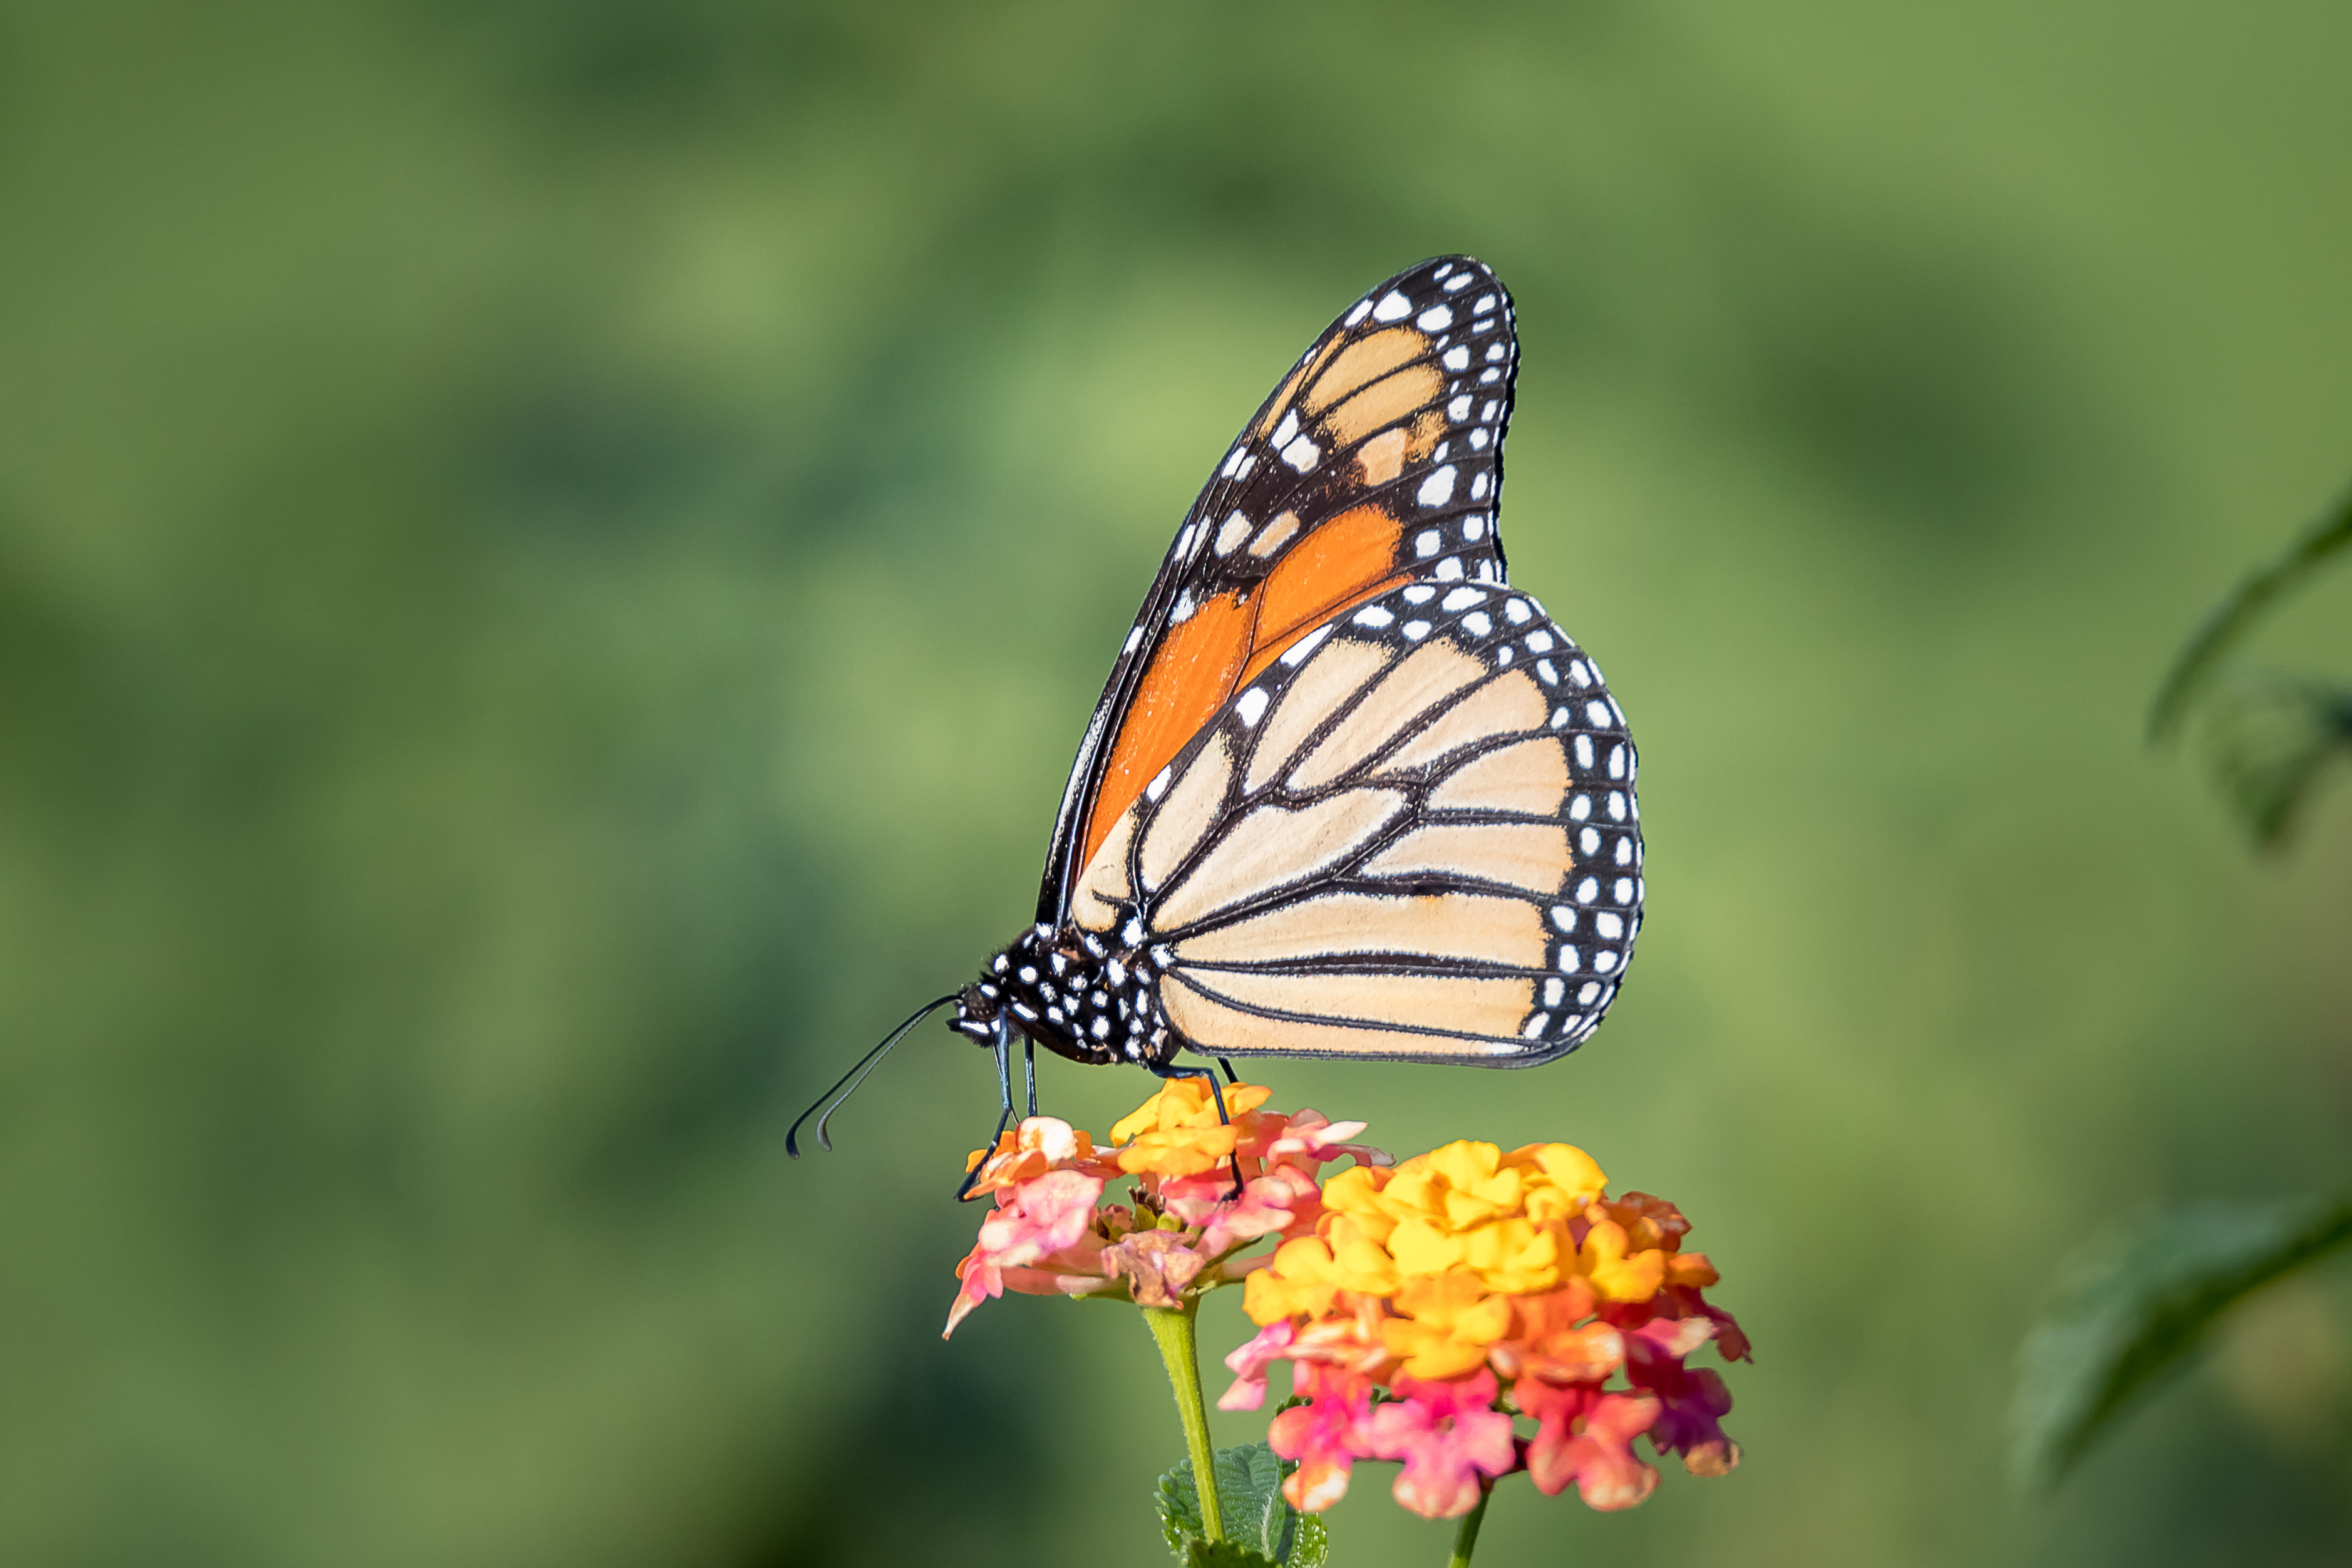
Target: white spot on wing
[1438, 488]
[1252, 706]
[1394, 307]
[1305, 646]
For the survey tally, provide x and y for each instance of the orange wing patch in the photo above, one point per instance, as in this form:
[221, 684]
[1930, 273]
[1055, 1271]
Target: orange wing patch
[1188, 680]
[1351, 557]
[1204, 659]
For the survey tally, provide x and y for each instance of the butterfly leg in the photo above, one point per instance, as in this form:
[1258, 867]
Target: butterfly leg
[1231, 1075]
[1003, 1048]
[1171, 1072]
[1029, 1065]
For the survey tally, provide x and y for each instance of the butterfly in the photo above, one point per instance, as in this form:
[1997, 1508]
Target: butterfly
[1347, 792]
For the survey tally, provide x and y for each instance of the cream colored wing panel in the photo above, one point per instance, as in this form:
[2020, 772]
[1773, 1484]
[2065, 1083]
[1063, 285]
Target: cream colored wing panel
[1217, 1028]
[1424, 678]
[1473, 926]
[1190, 808]
[1105, 878]
[1526, 778]
[1273, 847]
[1509, 704]
[1335, 674]
[1534, 855]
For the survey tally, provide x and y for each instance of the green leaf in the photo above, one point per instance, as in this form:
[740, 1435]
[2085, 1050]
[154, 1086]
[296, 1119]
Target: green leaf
[2230, 621]
[2272, 738]
[2134, 1310]
[1260, 1526]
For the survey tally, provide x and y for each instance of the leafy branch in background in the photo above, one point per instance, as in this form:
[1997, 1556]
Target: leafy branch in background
[2273, 736]
[2135, 1309]
[2132, 1311]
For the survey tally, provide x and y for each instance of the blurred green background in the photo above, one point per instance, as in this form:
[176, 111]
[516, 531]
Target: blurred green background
[552, 558]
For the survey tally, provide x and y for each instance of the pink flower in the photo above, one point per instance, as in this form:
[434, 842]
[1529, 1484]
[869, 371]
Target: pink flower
[1285, 1200]
[1587, 1436]
[1249, 1365]
[1035, 1221]
[1449, 1436]
[1311, 1140]
[1324, 1434]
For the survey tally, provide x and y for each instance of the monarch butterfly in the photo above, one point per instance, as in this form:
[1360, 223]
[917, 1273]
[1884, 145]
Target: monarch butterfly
[1347, 792]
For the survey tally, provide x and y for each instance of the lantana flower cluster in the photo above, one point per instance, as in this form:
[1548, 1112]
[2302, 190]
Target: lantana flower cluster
[1439, 1301]
[1426, 1309]
[1052, 1235]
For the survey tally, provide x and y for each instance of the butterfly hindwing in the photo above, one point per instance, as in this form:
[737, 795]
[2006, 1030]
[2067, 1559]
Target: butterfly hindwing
[1413, 836]
[1376, 461]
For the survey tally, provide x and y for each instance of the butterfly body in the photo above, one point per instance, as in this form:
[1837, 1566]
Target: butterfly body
[1346, 792]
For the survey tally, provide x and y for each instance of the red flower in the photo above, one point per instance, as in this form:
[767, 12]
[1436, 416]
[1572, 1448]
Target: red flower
[1586, 1437]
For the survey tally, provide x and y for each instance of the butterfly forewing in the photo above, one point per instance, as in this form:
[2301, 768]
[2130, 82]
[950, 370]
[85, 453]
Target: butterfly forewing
[1377, 460]
[1413, 834]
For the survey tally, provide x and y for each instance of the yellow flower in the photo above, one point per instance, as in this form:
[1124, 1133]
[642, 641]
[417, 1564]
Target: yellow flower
[1618, 1273]
[1307, 1274]
[1356, 1193]
[1447, 1323]
[1560, 1178]
[1177, 1133]
[1453, 1188]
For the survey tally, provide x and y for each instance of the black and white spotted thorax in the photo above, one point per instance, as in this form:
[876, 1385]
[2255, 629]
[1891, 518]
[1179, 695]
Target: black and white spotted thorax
[1075, 994]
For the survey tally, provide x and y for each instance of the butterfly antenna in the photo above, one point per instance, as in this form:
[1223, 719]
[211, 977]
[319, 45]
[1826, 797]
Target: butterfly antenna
[831, 1099]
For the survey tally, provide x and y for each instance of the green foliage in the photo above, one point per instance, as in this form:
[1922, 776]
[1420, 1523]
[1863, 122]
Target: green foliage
[2271, 736]
[2134, 1310]
[1261, 1528]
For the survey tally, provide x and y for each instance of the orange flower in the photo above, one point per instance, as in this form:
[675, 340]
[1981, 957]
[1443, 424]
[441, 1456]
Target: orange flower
[1177, 1133]
[1039, 1144]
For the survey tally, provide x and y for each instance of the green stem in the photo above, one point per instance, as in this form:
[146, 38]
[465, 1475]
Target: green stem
[1171, 1328]
[1465, 1534]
